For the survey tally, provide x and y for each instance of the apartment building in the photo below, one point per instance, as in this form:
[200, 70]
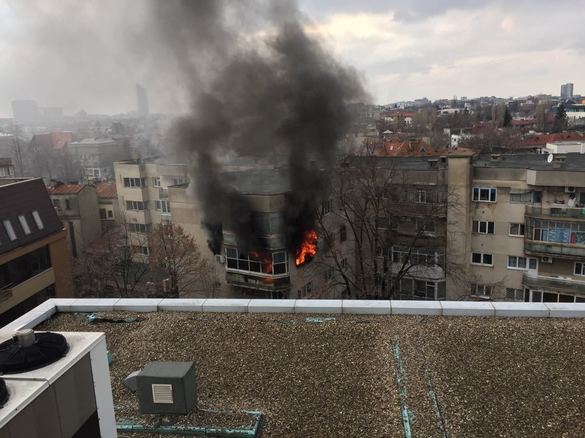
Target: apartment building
[34, 258]
[77, 207]
[143, 195]
[97, 155]
[151, 192]
[523, 231]
[108, 204]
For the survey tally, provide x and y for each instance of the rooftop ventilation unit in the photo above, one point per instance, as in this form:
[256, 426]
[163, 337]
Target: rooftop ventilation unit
[28, 351]
[167, 388]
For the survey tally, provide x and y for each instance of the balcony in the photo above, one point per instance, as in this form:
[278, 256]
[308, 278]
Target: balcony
[562, 250]
[553, 283]
[13, 295]
[265, 283]
[557, 211]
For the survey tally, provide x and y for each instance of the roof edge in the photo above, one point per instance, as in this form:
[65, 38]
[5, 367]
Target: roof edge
[363, 307]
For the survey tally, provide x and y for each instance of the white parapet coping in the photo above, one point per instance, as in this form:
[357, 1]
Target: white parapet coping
[364, 307]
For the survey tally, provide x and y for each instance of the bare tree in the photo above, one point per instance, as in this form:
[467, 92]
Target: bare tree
[380, 227]
[176, 254]
[114, 262]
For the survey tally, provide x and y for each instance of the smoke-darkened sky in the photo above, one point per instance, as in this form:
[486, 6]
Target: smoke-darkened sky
[81, 54]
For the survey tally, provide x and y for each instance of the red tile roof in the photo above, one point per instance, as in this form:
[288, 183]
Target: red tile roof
[65, 189]
[543, 139]
[106, 190]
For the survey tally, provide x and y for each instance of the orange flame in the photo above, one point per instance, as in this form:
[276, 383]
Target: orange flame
[264, 259]
[308, 248]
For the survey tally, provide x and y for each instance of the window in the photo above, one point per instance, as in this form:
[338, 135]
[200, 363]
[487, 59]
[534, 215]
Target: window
[478, 258]
[38, 220]
[342, 234]
[279, 263]
[102, 213]
[343, 263]
[327, 206]
[531, 197]
[110, 214]
[139, 228]
[67, 204]
[518, 262]
[425, 226]
[57, 204]
[483, 227]
[162, 206]
[516, 229]
[421, 197]
[136, 205]
[156, 181]
[259, 263]
[9, 230]
[417, 256]
[305, 290]
[483, 194]
[579, 268]
[145, 250]
[514, 294]
[481, 290]
[134, 182]
[179, 181]
[24, 224]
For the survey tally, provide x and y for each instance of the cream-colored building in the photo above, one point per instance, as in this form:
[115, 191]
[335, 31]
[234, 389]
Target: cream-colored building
[522, 236]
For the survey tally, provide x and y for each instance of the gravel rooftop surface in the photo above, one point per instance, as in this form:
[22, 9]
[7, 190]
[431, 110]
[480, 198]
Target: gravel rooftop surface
[464, 377]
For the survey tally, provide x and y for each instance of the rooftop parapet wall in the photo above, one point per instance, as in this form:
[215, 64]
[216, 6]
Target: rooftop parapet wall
[364, 307]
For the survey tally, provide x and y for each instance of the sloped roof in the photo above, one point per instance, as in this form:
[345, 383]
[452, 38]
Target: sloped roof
[24, 198]
[65, 189]
[106, 190]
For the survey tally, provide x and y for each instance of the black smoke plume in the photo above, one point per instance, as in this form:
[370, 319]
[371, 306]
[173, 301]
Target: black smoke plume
[260, 86]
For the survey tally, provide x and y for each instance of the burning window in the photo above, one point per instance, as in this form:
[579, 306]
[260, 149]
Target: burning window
[257, 262]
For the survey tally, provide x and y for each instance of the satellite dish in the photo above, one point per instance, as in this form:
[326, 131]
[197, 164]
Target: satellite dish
[550, 158]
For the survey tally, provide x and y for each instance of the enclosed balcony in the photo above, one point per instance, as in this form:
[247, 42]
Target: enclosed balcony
[554, 283]
[554, 237]
[560, 211]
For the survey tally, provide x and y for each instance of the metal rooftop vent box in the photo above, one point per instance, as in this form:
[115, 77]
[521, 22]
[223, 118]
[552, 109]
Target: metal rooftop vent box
[167, 388]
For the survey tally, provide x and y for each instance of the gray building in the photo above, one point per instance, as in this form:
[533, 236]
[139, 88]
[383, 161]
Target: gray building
[566, 90]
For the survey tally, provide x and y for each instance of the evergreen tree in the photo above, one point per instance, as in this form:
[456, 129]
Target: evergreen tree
[560, 119]
[507, 118]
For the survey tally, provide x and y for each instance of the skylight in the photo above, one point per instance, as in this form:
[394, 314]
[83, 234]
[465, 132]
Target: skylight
[9, 229]
[24, 224]
[38, 220]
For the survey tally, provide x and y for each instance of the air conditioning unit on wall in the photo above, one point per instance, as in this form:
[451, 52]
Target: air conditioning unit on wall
[569, 189]
[546, 260]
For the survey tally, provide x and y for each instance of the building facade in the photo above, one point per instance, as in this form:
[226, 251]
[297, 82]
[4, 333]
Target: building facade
[34, 258]
[525, 228]
[97, 155]
[77, 207]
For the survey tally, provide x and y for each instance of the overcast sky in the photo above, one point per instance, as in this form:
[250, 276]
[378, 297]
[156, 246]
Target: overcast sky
[89, 54]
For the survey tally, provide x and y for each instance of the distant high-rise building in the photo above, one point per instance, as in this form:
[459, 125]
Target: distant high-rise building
[566, 91]
[142, 101]
[25, 111]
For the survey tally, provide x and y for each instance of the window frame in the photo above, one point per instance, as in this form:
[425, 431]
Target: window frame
[582, 273]
[490, 191]
[476, 227]
[482, 257]
[521, 228]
